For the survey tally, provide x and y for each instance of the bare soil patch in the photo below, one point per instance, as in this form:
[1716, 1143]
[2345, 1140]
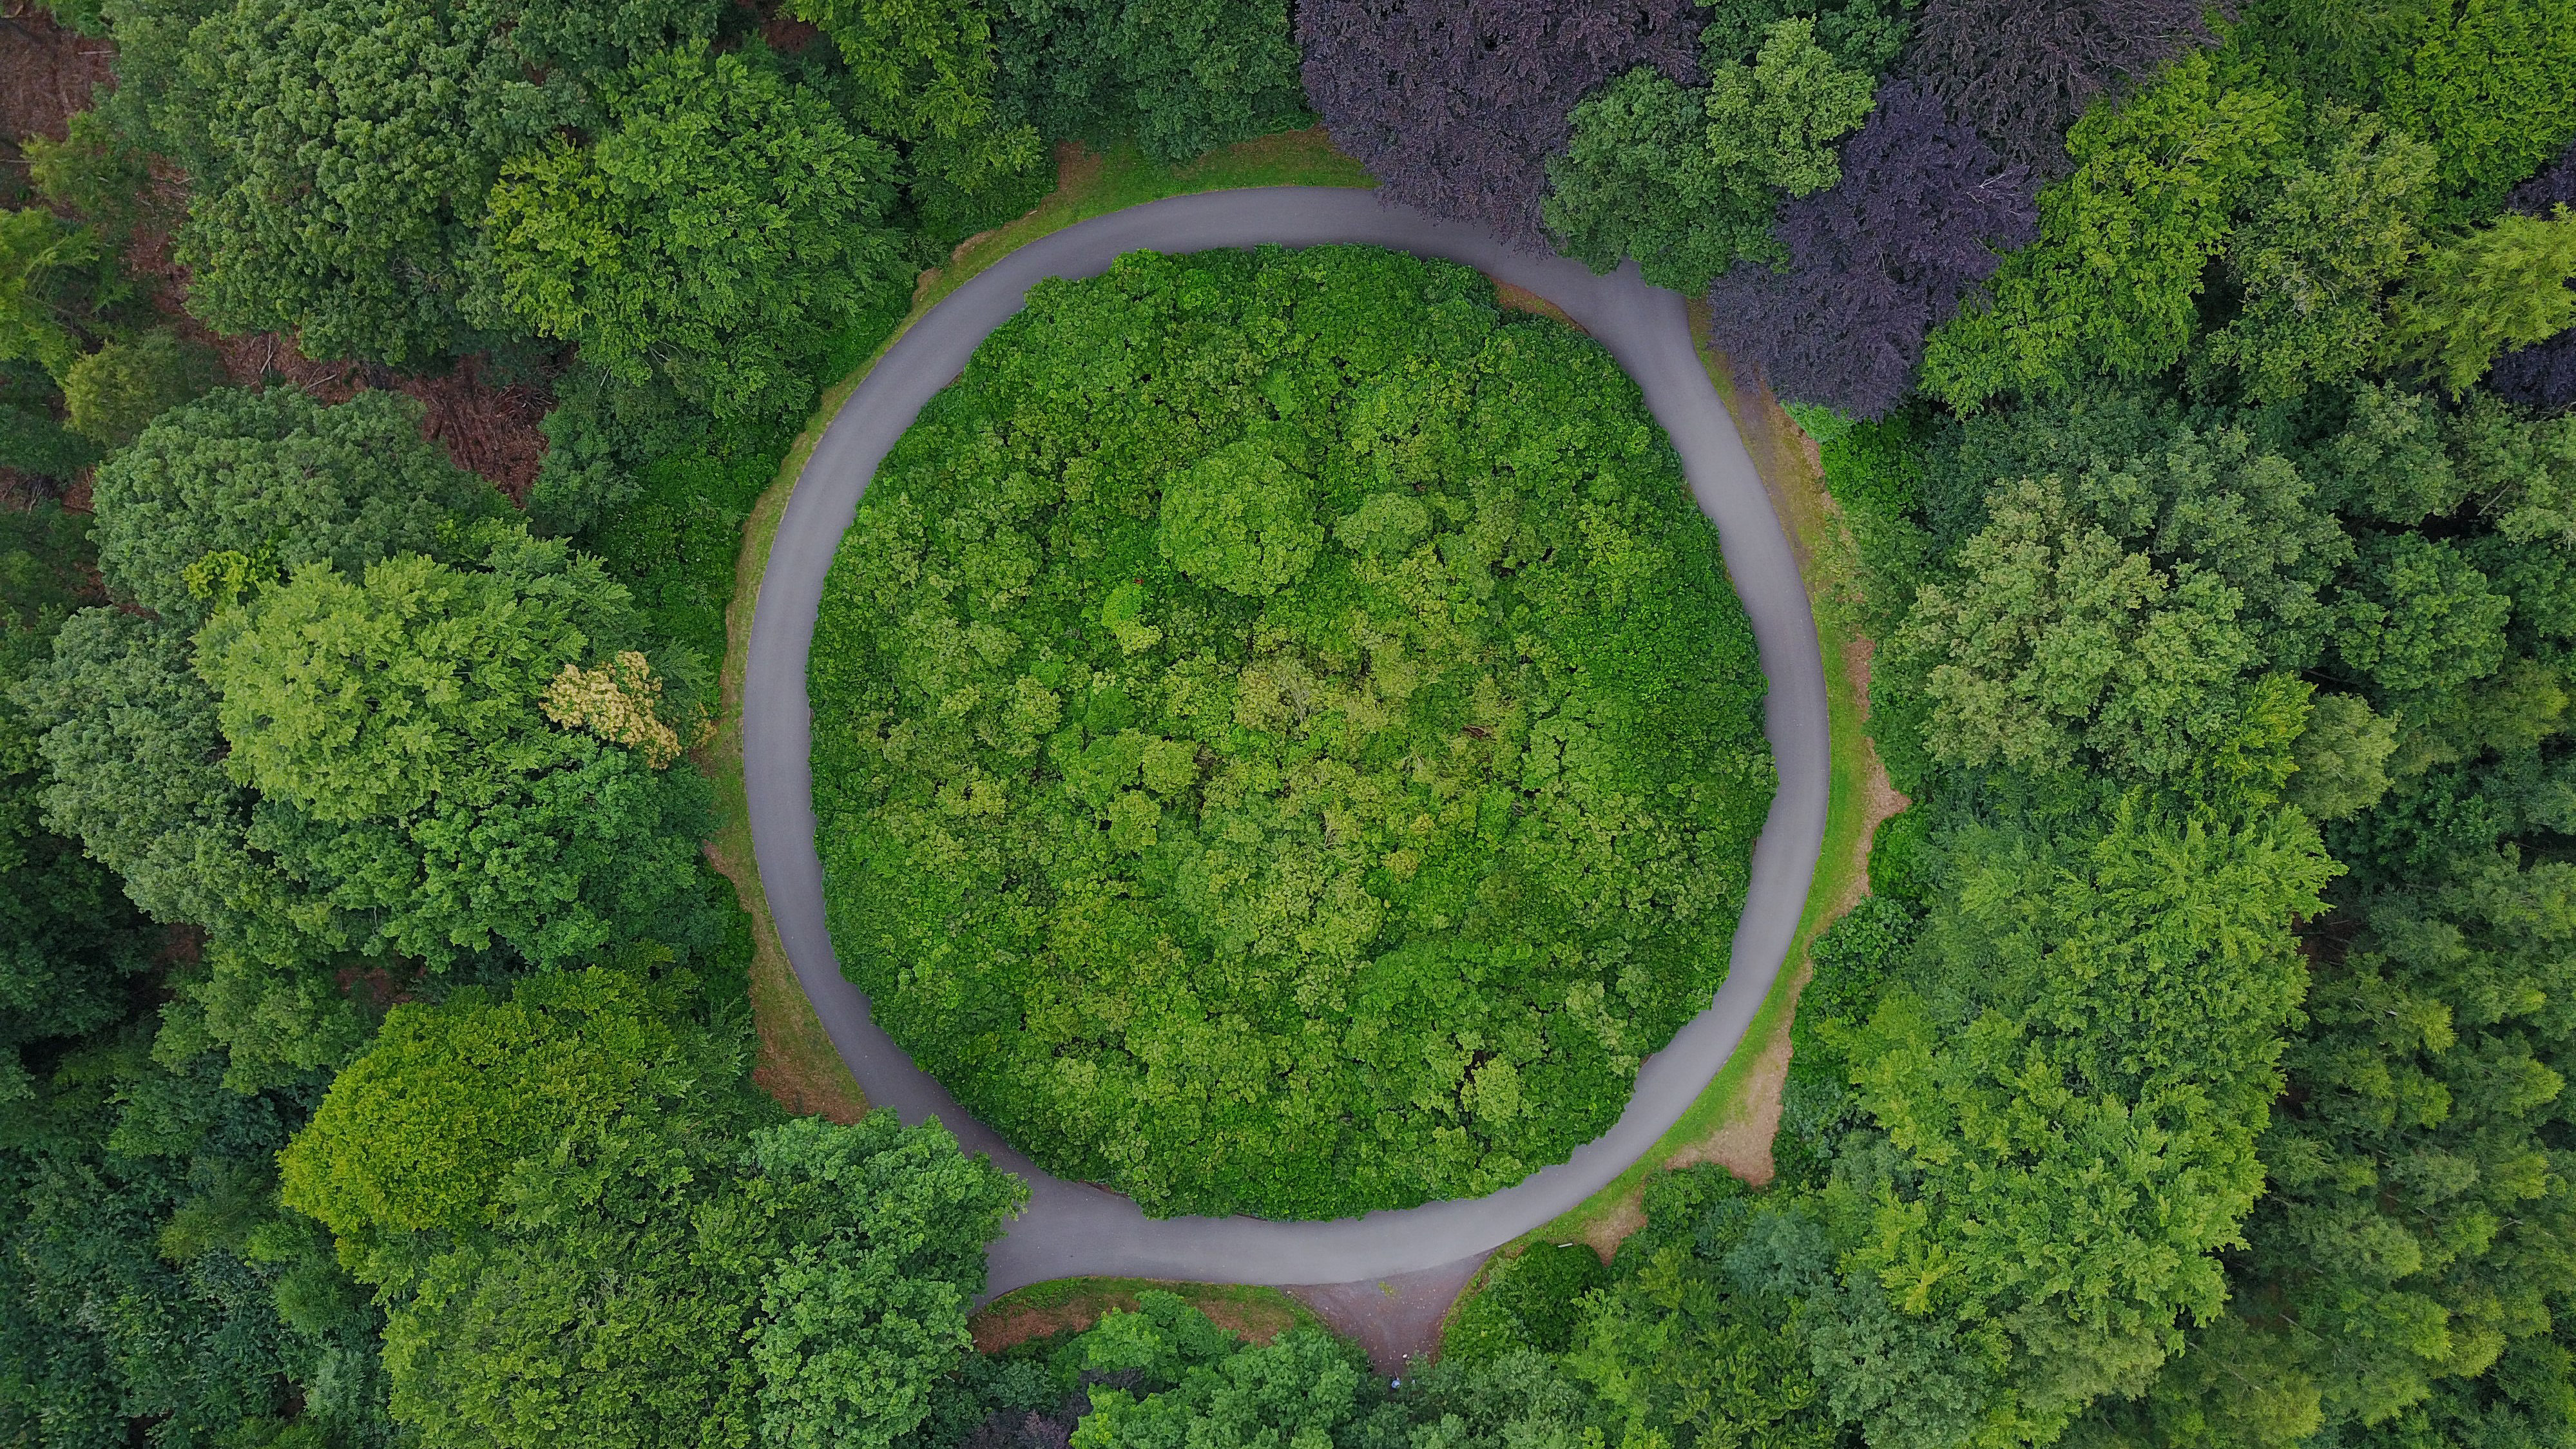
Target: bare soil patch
[1050, 1309]
[1522, 299]
[46, 73]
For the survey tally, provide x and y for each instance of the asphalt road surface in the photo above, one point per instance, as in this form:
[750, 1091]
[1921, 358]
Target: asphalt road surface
[1075, 1229]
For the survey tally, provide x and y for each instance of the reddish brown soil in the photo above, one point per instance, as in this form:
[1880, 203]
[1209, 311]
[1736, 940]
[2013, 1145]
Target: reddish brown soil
[1005, 1324]
[46, 73]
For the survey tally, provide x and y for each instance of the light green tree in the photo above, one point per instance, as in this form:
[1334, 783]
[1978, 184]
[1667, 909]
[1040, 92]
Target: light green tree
[1687, 181]
[2314, 255]
[2113, 283]
[393, 727]
[581, 1216]
[2503, 286]
[39, 254]
[112, 393]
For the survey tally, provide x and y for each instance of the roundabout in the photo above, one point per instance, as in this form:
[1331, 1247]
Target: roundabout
[1074, 1229]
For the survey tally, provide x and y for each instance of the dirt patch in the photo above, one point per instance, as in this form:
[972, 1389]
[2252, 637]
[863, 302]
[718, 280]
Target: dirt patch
[1522, 299]
[1604, 1234]
[1880, 801]
[1007, 1323]
[1742, 1145]
[46, 73]
[1396, 1320]
[487, 428]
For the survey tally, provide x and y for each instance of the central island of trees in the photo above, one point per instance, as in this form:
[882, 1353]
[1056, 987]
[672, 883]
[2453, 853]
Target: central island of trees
[1285, 742]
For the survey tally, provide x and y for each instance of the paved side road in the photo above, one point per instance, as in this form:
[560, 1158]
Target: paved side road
[1074, 1229]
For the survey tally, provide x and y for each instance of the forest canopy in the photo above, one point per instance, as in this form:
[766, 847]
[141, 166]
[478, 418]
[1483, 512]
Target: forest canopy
[1285, 741]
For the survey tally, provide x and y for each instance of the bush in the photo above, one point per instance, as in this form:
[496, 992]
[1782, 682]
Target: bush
[1285, 741]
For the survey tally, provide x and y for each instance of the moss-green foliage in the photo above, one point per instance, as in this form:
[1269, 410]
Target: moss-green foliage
[110, 394]
[274, 476]
[587, 1228]
[1284, 739]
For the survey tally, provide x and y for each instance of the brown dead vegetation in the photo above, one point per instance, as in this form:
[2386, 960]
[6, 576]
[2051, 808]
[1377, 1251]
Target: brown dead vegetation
[1006, 1324]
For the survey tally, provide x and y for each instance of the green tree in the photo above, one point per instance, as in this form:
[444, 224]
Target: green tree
[277, 477]
[1686, 182]
[2113, 283]
[1301, 1388]
[418, 1135]
[400, 732]
[2314, 254]
[2055, 637]
[151, 1291]
[1684, 1346]
[343, 182]
[2419, 1225]
[2504, 286]
[721, 225]
[2070, 1076]
[134, 757]
[2422, 617]
[42, 258]
[578, 1242]
[1180, 77]
[112, 393]
[2492, 84]
[32, 437]
[342, 152]
[2342, 757]
[923, 74]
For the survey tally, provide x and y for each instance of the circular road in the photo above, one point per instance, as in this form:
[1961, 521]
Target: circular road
[1074, 1229]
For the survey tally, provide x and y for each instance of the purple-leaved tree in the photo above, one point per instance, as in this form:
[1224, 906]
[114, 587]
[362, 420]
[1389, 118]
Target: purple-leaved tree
[2543, 375]
[2021, 71]
[1877, 260]
[1456, 105]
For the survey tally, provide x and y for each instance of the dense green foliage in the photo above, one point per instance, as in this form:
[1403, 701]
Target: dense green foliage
[722, 222]
[581, 1220]
[1284, 737]
[1180, 76]
[328, 730]
[1293, 750]
[1686, 181]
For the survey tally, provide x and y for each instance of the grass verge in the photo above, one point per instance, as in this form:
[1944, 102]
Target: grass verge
[1043, 1309]
[1733, 1119]
[797, 1063]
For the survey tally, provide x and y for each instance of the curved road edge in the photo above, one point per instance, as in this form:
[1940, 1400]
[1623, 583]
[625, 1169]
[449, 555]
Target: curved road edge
[1075, 1229]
